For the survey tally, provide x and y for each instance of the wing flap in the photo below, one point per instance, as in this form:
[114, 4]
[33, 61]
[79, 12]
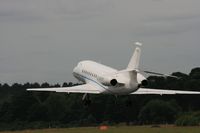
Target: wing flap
[86, 88]
[142, 91]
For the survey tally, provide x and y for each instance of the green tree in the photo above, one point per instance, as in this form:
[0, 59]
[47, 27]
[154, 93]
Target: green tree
[188, 119]
[195, 73]
[56, 107]
[158, 111]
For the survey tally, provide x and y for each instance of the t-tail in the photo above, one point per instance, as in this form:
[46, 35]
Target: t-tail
[135, 59]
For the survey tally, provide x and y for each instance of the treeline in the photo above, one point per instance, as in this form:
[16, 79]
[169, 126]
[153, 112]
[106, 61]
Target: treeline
[20, 109]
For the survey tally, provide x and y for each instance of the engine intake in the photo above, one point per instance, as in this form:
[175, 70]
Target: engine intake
[144, 83]
[113, 82]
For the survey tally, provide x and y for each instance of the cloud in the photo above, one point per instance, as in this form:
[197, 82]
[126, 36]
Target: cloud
[169, 25]
[27, 10]
[44, 39]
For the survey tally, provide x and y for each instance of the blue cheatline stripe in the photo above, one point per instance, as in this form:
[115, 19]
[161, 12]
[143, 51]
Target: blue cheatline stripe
[94, 82]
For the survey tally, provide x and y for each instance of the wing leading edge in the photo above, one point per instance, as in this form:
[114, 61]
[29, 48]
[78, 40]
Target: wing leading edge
[86, 88]
[143, 91]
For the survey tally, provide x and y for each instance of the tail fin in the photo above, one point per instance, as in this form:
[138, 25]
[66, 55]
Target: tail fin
[134, 62]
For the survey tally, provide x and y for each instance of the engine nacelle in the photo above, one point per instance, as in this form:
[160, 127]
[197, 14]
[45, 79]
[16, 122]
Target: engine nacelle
[113, 82]
[109, 81]
[142, 81]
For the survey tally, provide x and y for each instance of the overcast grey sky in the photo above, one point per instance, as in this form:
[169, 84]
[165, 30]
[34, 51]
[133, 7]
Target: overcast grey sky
[42, 40]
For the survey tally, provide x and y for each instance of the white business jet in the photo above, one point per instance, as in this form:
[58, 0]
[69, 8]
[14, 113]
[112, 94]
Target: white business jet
[101, 79]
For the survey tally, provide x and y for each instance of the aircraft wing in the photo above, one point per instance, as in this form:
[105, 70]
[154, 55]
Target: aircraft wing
[85, 88]
[143, 91]
[158, 74]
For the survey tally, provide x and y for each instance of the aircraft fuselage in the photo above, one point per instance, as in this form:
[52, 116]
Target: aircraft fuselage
[110, 80]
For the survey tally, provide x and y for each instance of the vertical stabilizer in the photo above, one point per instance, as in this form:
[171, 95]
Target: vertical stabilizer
[135, 60]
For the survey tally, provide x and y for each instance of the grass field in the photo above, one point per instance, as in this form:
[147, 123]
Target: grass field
[123, 129]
